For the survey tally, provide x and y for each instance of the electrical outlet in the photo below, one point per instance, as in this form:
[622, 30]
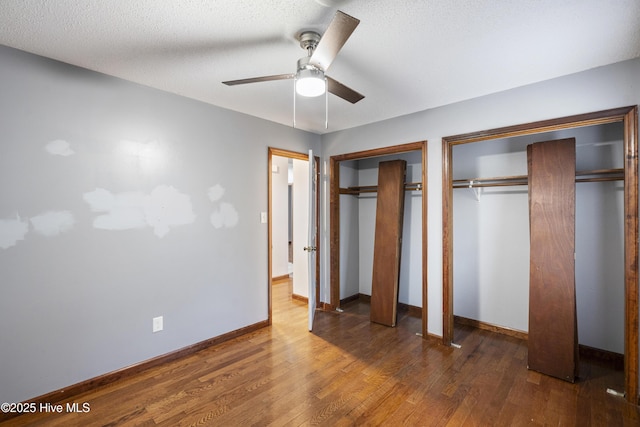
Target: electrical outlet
[157, 324]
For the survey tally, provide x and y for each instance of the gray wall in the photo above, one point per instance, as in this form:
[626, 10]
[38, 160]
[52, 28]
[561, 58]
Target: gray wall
[121, 203]
[349, 232]
[598, 89]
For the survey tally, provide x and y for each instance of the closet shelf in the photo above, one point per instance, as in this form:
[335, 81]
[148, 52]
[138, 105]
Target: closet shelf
[409, 186]
[504, 181]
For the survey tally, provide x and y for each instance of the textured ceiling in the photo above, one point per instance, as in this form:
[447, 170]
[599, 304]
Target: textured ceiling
[405, 56]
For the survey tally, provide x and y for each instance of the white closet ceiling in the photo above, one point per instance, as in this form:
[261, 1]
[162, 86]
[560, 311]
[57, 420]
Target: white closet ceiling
[405, 56]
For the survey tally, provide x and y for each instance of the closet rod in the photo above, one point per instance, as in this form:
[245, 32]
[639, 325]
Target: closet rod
[599, 175]
[409, 186]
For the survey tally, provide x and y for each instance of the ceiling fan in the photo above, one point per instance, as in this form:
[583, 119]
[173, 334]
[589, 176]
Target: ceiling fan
[310, 78]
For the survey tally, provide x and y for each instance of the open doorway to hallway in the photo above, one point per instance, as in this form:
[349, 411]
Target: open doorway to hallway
[289, 223]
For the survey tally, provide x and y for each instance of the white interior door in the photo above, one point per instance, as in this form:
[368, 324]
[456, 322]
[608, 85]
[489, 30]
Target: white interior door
[311, 246]
[300, 227]
[304, 232]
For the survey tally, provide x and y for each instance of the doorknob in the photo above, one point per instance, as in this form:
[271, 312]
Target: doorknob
[310, 248]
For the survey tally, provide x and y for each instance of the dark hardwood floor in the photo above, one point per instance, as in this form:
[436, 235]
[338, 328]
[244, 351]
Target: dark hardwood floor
[352, 372]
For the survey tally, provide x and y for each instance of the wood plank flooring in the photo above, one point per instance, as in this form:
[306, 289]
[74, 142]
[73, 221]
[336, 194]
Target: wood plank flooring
[352, 372]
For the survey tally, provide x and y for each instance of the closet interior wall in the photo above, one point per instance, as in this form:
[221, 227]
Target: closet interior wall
[349, 232]
[491, 236]
[357, 229]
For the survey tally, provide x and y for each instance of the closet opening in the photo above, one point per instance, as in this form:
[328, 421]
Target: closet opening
[353, 179]
[486, 231]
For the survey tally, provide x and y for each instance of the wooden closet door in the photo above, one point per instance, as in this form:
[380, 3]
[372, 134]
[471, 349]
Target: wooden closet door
[387, 243]
[553, 330]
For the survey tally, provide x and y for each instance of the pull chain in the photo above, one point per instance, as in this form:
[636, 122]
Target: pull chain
[326, 103]
[294, 101]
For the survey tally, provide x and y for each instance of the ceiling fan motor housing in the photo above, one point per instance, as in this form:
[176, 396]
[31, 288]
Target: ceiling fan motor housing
[303, 64]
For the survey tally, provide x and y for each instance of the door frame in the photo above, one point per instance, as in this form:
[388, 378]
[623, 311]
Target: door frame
[334, 217]
[300, 156]
[628, 116]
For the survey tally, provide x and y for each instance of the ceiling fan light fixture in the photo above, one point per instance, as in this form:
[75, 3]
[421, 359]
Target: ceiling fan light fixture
[310, 82]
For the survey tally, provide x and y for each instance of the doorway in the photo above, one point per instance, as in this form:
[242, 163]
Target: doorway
[628, 117]
[287, 219]
[335, 215]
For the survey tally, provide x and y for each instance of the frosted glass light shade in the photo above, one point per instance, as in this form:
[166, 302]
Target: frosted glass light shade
[310, 82]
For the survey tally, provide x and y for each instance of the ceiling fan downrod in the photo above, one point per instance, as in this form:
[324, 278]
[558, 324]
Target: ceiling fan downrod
[309, 40]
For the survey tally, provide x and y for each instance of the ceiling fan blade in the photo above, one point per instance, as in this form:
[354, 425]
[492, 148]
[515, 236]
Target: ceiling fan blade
[344, 92]
[259, 79]
[333, 39]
